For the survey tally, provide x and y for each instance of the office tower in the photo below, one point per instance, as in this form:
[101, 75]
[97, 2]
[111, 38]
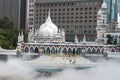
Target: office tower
[76, 17]
[14, 10]
[112, 14]
[118, 6]
[30, 14]
[23, 14]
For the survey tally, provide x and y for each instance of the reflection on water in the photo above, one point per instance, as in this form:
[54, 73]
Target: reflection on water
[16, 69]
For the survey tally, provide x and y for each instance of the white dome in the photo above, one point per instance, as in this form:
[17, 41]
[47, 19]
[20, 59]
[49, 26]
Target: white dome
[104, 5]
[49, 27]
[46, 32]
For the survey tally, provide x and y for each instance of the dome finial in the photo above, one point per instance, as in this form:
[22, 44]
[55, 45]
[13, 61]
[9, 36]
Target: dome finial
[49, 13]
[48, 28]
[49, 18]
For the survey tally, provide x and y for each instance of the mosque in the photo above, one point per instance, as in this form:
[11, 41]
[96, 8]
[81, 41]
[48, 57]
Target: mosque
[48, 39]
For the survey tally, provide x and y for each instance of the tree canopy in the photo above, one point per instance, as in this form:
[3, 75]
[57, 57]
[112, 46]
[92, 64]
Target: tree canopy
[8, 35]
[6, 23]
[111, 40]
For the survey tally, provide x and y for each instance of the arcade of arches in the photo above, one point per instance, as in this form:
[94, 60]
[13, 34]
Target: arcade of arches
[66, 50]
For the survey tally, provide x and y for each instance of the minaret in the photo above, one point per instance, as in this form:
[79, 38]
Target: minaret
[84, 39]
[30, 36]
[19, 39]
[102, 25]
[22, 36]
[76, 39]
[62, 32]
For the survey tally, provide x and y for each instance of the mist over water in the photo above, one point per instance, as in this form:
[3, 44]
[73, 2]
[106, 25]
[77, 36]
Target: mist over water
[105, 71]
[16, 69]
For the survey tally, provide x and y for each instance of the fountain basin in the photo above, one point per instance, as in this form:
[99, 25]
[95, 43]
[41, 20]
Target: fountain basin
[56, 64]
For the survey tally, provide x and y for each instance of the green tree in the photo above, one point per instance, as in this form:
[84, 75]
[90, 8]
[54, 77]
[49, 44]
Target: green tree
[9, 35]
[110, 39]
[6, 23]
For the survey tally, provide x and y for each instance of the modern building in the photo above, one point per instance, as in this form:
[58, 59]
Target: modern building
[76, 17]
[112, 14]
[118, 1]
[30, 14]
[118, 6]
[23, 14]
[15, 11]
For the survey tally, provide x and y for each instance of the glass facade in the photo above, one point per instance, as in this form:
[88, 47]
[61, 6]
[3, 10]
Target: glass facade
[118, 6]
[112, 10]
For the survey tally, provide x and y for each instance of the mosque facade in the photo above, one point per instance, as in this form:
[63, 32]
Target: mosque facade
[49, 39]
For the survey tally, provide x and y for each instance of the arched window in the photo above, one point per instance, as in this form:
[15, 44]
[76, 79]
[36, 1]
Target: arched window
[31, 50]
[26, 50]
[112, 50]
[53, 51]
[36, 50]
[89, 51]
[98, 51]
[93, 51]
[60, 50]
[78, 51]
[65, 51]
[74, 52]
[69, 51]
[48, 50]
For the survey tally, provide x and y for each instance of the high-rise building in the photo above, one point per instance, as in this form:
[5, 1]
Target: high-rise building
[23, 14]
[76, 17]
[112, 14]
[30, 14]
[118, 1]
[14, 10]
[118, 6]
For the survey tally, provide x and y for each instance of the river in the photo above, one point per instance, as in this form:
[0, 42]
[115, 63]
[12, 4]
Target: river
[16, 69]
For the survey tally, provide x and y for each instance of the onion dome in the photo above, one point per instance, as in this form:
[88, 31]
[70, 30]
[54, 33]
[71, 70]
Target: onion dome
[48, 28]
[46, 32]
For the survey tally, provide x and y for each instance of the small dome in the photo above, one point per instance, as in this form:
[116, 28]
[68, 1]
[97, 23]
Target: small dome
[49, 27]
[104, 5]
